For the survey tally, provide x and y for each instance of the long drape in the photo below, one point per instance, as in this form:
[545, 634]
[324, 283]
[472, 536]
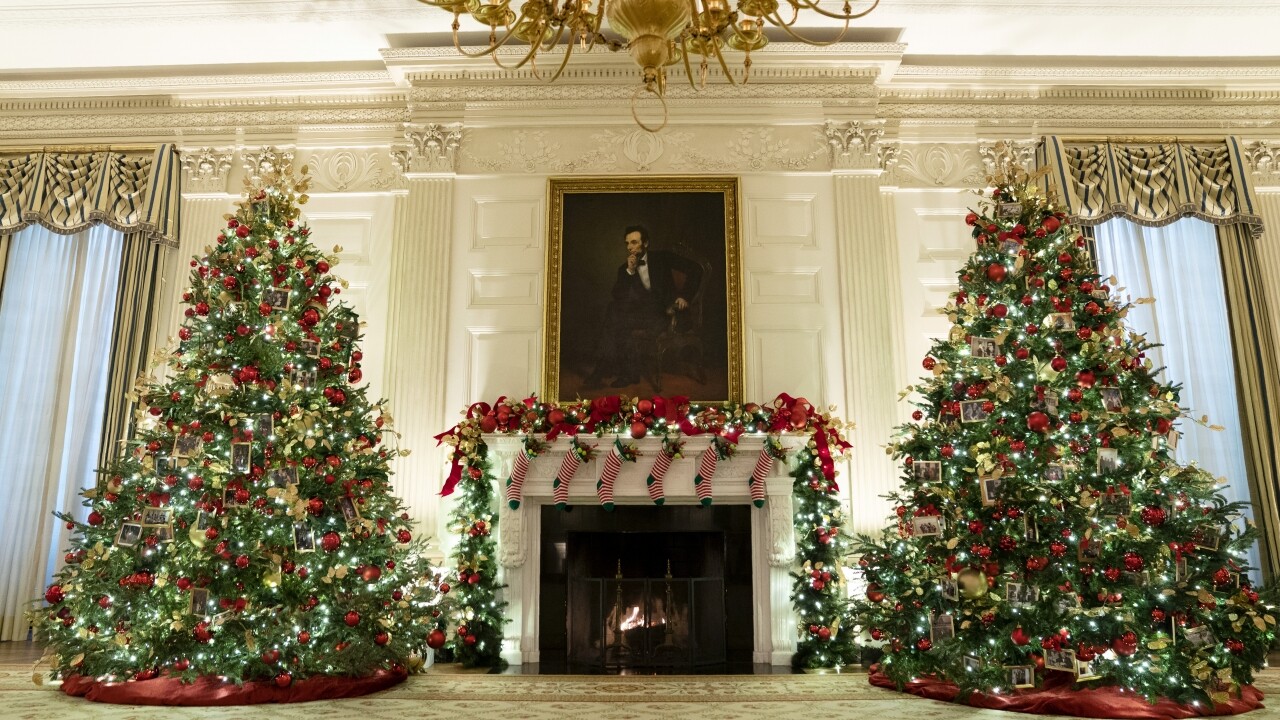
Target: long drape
[1258, 381]
[135, 325]
[55, 319]
[1177, 265]
[1158, 183]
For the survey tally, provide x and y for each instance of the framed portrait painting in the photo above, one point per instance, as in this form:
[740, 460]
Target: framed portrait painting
[643, 288]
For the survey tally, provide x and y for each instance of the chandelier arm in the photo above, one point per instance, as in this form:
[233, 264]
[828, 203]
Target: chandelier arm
[491, 50]
[533, 51]
[816, 43]
[563, 63]
[648, 87]
[723, 65]
[797, 5]
[684, 55]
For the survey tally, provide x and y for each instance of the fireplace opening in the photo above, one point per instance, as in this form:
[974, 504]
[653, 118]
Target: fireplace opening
[646, 590]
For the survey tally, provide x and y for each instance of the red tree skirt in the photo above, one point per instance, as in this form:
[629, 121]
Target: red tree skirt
[212, 691]
[1058, 698]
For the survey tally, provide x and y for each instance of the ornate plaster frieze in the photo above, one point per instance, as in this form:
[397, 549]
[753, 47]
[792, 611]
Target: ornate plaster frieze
[854, 145]
[349, 170]
[433, 148]
[1264, 160]
[692, 150]
[206, 169]
[71, 122]
[1000, 156]
[268, 159]
[936, 165]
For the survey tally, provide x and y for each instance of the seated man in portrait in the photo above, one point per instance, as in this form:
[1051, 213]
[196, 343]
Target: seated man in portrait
[645, 300]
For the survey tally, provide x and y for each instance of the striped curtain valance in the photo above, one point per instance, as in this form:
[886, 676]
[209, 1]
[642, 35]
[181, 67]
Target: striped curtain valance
[1151, 184]
[68, 192]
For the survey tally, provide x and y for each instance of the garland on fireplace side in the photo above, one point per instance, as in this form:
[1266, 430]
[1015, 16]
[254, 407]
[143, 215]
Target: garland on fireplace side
[473, 608]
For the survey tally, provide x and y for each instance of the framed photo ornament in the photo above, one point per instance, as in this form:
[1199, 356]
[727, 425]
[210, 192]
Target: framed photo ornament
[643, 291]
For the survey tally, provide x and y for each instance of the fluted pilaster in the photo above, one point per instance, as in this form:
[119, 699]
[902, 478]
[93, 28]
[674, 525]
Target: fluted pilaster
[201, 220]
[416, 342]
[871, 312]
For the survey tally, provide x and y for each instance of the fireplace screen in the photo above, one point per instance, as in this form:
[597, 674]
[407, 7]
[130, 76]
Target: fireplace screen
[651, 624]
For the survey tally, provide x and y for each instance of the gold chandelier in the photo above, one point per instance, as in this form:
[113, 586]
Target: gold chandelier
[657, 33]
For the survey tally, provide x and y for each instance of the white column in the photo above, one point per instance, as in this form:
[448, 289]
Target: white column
[1268, 252]
[870, 308]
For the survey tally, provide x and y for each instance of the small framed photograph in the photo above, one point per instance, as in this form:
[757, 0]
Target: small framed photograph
[156, 516]
[1060, 660]
[1108, 460]
[1064, 604]
[981, 347]
[1171, 439]
[942, 627]
[1086, 671]
[164, 533]
[1207, 537]
[241, 457]
[1021, 594]
[950, 588]
[1011, 209]
[220, 384]
[1112, 400]
[229, 499]
[310, 348]
[1115, 503]
[990, 489]
[351, 513]
[187, 446]
[204, 520]
[1030, 533]
[199, 605]
[1022, 676]
[927, 471]
[165, 466]
[304, 539]
[221, 619]
[128, 535]
[971, 664]
[348, 329]
[283, 477]
[1180, 570]
[302, 378]
[923, 525]
[1140, 579]
[1198, 636]
[1051, 405]
[263, 426]
[1010, 247]
[1062, 322]
[1055, 473]
[1089, 550]
[277, 298]
[971, 411]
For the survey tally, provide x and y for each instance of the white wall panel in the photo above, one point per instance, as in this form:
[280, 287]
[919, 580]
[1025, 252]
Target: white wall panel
[797, 286]
[495, 287]
[506, 222]
[785, 220]
[787, 361]
[502, 363]
[933, 243]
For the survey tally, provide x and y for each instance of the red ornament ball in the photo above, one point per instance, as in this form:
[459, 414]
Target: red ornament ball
[95, 518]
[54, 594]
[284, 679]
[1019, 636]
[1126, 644]
[1085, 378]
[824, 633]
[924, 644]
[874, 594]
[996, 272]
[470, 639]
[1153, 516]
[330, 541]
[352, 618]
[444, 588]
[1038, 422]
[1058, 363]
[971, 219]
[435, 639]
[639, 429]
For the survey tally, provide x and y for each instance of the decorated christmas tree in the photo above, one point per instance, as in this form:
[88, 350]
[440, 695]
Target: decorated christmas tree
[1044, 533]
[248, 531]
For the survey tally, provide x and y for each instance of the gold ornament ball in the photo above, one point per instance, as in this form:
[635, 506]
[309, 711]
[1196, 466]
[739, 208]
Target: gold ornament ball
[973, 583]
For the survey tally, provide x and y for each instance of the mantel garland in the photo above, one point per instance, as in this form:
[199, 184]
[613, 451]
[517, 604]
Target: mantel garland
[816, 581]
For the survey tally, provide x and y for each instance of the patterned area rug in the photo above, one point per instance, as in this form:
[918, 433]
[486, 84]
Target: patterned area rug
[560, 697]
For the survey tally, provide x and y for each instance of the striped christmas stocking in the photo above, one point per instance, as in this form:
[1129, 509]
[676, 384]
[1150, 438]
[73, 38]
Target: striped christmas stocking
[515, 483]
[659, 471]
[706, 471]
[764, 464]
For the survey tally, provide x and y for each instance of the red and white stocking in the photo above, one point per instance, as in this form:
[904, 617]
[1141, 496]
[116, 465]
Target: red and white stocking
[654, 481]
[515, 483]
[604, 486]
[560, 488]
[764, 464]
[706, 471]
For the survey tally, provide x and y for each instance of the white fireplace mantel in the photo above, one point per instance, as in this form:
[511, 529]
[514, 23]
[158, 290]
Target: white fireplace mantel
[772, 527]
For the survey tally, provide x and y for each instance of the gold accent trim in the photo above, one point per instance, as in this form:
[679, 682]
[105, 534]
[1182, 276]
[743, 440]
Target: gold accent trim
[729, 186]
[80, 149]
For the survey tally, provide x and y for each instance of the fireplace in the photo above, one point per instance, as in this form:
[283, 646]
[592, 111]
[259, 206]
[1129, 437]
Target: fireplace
[757, 546]
[646, 589]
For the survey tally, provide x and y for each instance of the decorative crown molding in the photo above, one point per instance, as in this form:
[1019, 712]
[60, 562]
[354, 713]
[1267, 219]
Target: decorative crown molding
[207, 169]
[936, 165]
[351, 170]
[1001, 156]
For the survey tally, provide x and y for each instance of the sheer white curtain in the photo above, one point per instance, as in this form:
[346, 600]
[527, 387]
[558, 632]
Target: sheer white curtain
[55, 339]
[1179, 266]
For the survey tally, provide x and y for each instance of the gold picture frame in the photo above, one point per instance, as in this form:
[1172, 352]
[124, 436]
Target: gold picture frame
[614, 328]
